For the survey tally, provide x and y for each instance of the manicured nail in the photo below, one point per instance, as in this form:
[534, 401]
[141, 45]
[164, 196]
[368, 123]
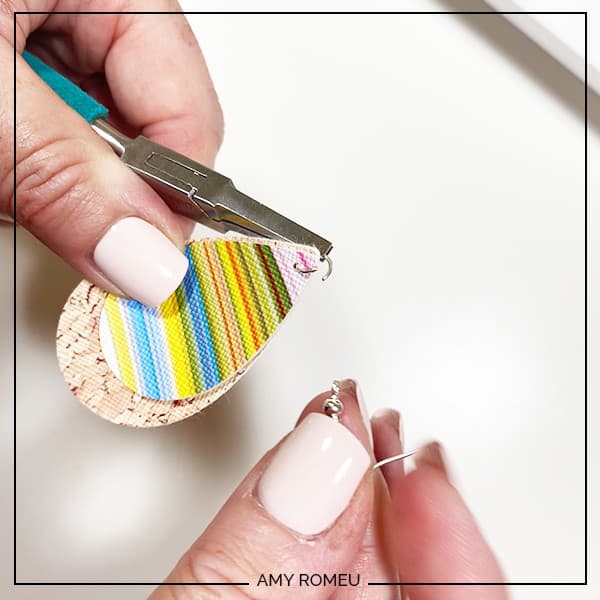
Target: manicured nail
[392, 418]
[140, 260]
[390, 442]
[364, 411]
[313, 476]
[432, 455]
[389, 415]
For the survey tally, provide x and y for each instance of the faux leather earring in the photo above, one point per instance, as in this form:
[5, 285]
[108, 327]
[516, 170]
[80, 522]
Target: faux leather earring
[142, 366]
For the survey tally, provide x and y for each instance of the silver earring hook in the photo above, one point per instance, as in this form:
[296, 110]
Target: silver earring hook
[394, 458]
[333, 407]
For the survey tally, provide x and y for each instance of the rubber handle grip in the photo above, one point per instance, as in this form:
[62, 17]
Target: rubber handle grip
[88, 107]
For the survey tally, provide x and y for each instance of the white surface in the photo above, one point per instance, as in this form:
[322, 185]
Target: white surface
[444, 157]
[559, 34]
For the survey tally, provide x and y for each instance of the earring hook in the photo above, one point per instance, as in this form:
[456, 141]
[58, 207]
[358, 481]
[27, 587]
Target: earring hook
[333, 407]
[394, 458]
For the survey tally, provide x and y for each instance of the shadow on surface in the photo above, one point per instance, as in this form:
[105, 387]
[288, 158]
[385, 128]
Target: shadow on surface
[525, 54]
[48, 286]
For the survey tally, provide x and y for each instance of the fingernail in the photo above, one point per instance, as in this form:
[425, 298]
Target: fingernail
[313, 476]
[390, 443]
[364, 411]
[432, 455]
[140, 260]
[389, 415]
[392, 417]
[352, 387]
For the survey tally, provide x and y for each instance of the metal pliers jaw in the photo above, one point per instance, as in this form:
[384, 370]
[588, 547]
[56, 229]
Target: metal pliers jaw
[188, 187]
[193, 190]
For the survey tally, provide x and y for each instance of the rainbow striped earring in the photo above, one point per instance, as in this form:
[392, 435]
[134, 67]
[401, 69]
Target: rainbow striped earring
[142, 366]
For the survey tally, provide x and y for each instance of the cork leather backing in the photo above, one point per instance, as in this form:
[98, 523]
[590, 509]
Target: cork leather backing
[245, 294]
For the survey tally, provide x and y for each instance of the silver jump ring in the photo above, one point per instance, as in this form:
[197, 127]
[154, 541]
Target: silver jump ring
[298, 267]
[329, 262]
[303, 270]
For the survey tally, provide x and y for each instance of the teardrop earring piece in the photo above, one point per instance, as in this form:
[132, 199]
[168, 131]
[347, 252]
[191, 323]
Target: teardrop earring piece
[141, 366]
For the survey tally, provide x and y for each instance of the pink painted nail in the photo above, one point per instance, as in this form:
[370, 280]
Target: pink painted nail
[391, 416]
[432, 455]
[140, 260]
[364, 411]
[313, 476]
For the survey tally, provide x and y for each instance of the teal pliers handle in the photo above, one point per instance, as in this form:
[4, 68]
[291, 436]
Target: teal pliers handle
[89, 108]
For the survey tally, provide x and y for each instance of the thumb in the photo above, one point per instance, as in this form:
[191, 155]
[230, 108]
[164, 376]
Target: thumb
[302, 510]
[76, 196]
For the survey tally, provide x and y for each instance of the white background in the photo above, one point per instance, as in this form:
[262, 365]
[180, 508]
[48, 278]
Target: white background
[443, 156]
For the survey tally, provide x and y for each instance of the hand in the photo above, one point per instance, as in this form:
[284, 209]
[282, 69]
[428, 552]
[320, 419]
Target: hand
[313, 505]
[72, 192]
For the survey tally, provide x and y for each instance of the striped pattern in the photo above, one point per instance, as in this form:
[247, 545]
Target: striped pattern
[230, 302]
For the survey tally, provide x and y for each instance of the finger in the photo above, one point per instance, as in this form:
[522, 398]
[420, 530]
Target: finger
[303, 509]
[154, 69]
[388, 440]
[437, 538]
[183, 111]
[372, 558]
[75, 195]
[168, 96]
[386, 425]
